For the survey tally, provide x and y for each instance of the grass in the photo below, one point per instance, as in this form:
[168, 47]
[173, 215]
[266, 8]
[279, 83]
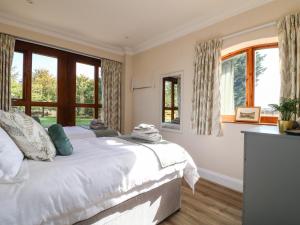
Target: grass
[47, 121]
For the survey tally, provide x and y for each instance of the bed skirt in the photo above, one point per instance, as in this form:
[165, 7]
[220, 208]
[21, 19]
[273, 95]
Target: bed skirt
[148, 208]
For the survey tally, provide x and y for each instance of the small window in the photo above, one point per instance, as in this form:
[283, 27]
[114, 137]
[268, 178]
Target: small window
[17, 76]
[171, 101]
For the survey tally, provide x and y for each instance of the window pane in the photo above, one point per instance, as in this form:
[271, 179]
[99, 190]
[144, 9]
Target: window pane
[267, 79]
[85, 83]
[44, 78]
[233, 84]
[176, 116]
[47, 115]
[176, 95]
[84, 116]
[17, 76]
[19, 108]
[168, 116]
[168, 93]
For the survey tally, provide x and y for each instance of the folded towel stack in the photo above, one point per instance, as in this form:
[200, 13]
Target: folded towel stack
[96, 124]
[146, 132]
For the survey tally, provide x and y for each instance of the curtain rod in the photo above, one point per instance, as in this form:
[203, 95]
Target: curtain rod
[61, 48]
[271, 24]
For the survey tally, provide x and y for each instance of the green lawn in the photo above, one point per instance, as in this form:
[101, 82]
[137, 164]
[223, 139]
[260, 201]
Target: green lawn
[47, 121]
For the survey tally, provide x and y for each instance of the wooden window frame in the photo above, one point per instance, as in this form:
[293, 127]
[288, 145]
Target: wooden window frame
[173, 108]
[66, 81]
[250, 83]
[96, 105]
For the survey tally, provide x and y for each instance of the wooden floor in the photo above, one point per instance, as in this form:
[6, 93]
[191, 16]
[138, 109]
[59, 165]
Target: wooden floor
[212, 204]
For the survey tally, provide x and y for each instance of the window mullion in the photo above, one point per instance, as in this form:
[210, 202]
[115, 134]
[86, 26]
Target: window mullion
[27, 83]
[96, 93]
[250, 78]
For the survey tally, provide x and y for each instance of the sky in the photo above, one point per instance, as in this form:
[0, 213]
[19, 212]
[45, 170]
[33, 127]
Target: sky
[49, 63]
[267, 90]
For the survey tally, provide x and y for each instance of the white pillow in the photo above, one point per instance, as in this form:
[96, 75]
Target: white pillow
[11, 157]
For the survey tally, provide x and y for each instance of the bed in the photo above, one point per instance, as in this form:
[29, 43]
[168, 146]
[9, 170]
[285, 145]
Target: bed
[106, 181]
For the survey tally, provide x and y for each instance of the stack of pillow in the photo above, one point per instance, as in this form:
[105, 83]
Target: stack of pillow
[20, 136]
[146, 132]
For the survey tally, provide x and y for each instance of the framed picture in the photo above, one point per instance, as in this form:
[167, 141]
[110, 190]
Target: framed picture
[248, 114]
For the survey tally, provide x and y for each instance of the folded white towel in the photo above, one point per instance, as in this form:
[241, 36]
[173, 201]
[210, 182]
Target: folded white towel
[155, 137]
[144, 126]
[146, 131]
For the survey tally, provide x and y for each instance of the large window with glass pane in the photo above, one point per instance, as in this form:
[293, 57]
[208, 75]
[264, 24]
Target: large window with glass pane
[251, 77]
[55, 86]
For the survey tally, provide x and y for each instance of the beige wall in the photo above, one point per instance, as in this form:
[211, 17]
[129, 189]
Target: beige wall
[223, 155]
[126, 95]
[51, 40]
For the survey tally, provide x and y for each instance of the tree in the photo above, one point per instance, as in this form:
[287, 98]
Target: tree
[259, 68]
[16, 83]
[84, 93]
[44, 87]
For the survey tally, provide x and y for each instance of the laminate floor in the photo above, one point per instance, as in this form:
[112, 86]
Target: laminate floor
[211, 204]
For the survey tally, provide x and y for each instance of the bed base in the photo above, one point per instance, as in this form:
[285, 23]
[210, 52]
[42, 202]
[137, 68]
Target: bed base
[148, 208]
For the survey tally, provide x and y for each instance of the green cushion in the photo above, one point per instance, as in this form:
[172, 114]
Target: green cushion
[60, 140]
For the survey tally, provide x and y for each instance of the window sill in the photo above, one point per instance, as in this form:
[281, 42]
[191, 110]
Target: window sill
[257, 124]
[264, 120]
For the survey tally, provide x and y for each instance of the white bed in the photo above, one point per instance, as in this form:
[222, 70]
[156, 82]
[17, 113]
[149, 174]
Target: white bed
[102, 173]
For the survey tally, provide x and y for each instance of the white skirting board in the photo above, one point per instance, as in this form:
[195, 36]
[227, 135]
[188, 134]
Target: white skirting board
[221, 179]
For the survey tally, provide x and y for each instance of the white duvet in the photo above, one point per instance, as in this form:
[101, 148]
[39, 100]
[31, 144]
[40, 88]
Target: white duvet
[101, 173]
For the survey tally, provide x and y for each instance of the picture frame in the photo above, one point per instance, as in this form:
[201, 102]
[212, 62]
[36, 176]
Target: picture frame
[247, 114]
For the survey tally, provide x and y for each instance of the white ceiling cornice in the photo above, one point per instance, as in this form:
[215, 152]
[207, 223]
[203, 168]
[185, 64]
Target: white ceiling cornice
[168, 36]
[193, 26]
[42, 29]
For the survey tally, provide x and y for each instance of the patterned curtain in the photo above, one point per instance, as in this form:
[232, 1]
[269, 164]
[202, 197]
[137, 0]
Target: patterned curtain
[111, 73]
[289, 50]
[206, 90]
[7, 46]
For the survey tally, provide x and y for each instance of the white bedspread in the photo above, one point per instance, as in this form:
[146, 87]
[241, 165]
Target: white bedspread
[101, 173]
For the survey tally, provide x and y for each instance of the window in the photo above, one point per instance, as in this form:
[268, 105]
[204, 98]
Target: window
[88, 92]
[17, 76]
[171, 92]
[54, 85]
[44, 78]
[250, 77]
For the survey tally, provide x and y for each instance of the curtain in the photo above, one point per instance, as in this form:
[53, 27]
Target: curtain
[227, 88]
[111, 73]
[206, 89]
[289, 51]
[7, 46]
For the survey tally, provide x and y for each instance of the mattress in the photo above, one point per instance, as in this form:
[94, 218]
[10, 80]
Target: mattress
[101, 173]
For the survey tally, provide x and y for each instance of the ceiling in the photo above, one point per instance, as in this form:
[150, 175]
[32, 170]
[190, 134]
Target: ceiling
[120, 25]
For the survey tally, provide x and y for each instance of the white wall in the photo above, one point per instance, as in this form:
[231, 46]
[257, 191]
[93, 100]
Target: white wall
[223, 155]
